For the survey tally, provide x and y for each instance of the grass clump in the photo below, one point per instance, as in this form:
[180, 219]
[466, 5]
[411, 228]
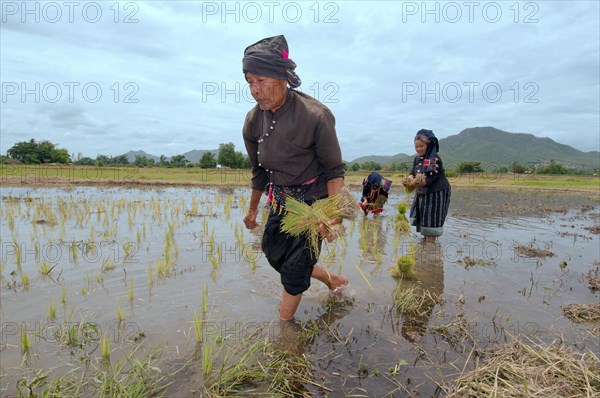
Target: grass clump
[533, 252]
[133, 377]
[582, 313]
[300, 218]
[414, 300]
[519, 370]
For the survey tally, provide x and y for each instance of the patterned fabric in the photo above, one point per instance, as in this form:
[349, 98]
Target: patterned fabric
[429, 162]
[303, 192]
[428, 212]
[270, 58]
[375, 191]
[436, 180]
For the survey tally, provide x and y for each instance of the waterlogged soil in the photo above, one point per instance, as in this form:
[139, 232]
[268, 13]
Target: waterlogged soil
[103, 247]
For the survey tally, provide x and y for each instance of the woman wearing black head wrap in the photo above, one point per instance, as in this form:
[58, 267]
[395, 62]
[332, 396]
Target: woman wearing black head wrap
[294, 151]
[430, 206]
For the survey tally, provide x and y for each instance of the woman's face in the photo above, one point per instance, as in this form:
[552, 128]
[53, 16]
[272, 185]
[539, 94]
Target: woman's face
[269, 93]
[420, 147]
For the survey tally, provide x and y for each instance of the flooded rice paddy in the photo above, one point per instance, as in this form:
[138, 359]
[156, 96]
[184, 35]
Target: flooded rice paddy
[98, 277]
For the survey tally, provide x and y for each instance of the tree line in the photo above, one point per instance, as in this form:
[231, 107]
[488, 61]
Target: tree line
[34, 152]
[552, 167]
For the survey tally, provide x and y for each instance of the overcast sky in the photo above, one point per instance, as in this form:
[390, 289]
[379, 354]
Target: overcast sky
[107, 77]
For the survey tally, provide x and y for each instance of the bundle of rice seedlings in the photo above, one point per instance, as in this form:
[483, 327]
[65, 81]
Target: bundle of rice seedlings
[402, 207]
[301, 218]
[520, 370]
[412, 182]
[405, 265]
[402, 224]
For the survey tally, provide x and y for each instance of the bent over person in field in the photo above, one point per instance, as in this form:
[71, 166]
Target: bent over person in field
[294, 151]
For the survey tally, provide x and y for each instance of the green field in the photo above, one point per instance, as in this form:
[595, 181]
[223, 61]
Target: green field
[41, 175]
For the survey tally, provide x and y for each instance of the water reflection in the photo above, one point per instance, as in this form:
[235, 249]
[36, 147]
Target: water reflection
[372, 239]
[416, 298]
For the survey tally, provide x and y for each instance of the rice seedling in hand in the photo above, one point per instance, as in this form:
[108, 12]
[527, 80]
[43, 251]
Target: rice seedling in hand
[410, 182]
[300, 218]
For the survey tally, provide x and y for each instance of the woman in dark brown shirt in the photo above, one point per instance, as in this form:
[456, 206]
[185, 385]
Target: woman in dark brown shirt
[294, 151]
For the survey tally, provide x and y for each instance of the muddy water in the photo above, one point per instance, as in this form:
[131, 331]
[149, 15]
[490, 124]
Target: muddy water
[100, 240]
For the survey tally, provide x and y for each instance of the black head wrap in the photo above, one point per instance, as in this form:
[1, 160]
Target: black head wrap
[429, 162]
[270, 57]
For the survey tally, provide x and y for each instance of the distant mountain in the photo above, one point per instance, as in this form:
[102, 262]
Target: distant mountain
[496, 148]
[193, 156]
[132, 154]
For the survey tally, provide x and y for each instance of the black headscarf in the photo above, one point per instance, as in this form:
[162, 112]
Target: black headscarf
[270, 57]
[429, 161]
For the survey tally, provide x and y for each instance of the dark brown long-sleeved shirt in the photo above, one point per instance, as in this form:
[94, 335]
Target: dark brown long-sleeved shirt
[293, 145]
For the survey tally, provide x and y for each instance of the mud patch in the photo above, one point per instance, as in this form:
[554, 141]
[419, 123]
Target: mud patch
[533, 252]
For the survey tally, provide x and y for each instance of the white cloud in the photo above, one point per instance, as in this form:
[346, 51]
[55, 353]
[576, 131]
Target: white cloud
[181, 62]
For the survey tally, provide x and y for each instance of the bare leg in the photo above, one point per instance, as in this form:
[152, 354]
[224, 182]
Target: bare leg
[430, 238]
[289, 305]
[332, 281]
